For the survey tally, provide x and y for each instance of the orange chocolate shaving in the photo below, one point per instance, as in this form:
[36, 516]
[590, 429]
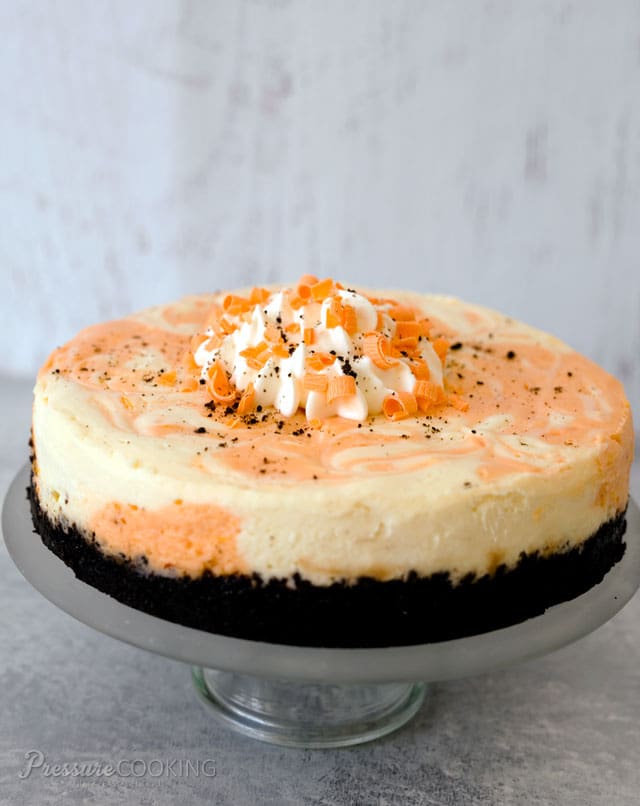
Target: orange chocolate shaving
[248, 400]
[420, 369]
[322, 289]
[334, 314]
[399, 405]
[406, 330]
[441, 347]
[315, 383]
[319, 361]
[340, 386]
[234, 305]
[349, 319]
[219, 387]
[376, 347]
[401, 313]
[428, 395]
[259, 295]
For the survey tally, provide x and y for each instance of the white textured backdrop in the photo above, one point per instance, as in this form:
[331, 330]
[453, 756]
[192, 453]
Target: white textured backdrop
[486, 149]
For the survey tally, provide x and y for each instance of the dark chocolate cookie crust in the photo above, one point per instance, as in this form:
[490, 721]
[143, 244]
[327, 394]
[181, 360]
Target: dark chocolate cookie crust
[369, 613]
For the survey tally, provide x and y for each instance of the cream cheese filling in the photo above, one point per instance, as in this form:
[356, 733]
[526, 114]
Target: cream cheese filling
[440, 504]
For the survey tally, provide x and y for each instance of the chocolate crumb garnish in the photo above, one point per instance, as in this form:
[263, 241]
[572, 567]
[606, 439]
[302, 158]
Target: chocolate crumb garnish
[202, 381]
[511, 355]
[558, 389]
[222, 444]
[201, 430]
[456, 346]
[348, 370]
[467, 484]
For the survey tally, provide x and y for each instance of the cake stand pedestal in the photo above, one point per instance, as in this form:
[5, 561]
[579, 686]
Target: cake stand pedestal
[307, 714]
[308, 696]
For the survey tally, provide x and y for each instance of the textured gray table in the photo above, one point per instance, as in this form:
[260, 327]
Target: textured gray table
[564, 729]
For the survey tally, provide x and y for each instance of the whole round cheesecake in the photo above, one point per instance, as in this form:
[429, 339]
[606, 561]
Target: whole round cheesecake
[327, 466]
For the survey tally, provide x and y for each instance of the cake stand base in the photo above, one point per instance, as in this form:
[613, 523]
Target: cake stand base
[307, 714]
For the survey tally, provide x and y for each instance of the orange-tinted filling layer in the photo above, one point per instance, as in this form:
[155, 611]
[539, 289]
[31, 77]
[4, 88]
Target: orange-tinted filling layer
[184, 538]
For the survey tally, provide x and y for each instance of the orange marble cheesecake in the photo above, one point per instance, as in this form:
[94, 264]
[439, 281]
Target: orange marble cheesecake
[320, 465]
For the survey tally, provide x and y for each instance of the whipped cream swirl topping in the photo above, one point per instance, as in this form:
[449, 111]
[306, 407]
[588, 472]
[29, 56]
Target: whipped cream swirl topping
[323, 348]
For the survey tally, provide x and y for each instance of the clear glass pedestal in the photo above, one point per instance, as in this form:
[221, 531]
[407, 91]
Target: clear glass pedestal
[307, 714]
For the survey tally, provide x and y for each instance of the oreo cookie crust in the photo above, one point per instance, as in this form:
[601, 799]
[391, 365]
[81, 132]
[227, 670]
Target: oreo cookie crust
[367, 613]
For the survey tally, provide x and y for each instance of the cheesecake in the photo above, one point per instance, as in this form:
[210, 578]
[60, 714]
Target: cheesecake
[320, 465]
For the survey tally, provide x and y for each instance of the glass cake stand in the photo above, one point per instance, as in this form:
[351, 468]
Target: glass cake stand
[313, 697]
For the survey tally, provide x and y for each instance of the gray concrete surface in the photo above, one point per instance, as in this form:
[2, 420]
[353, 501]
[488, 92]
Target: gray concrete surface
[564, 729]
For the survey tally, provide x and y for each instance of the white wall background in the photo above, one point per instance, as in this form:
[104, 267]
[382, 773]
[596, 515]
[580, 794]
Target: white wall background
[486, 149]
